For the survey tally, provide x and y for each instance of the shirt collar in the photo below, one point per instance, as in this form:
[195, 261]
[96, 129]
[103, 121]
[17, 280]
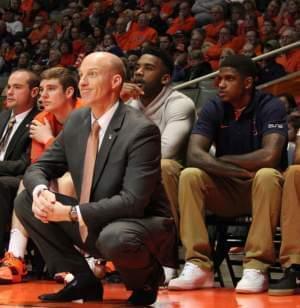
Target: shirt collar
[105, 119]
[21, 116]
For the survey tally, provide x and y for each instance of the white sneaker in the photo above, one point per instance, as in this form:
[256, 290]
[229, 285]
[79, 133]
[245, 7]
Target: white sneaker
[170, 273]
[192, 277]
[253, 281]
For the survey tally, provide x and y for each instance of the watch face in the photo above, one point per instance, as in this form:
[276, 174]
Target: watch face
[73, 214]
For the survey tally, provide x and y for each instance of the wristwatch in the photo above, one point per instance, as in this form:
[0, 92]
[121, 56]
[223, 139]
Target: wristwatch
[73, 214]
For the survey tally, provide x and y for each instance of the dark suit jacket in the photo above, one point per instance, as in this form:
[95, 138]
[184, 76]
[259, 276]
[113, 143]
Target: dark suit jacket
[127, 179]
[17, 154]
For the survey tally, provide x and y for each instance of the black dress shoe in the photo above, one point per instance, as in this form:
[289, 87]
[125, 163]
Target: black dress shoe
[286, 285]
[148, 294]
[84, 286]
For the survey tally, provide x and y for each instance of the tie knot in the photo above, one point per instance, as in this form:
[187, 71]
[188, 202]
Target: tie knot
[95, 128]
[12, 121]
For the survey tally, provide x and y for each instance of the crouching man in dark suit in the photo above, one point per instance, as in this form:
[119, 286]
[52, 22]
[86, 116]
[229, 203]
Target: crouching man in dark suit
[113, 154]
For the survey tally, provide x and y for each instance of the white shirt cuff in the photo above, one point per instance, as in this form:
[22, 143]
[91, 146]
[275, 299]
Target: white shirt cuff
[80, 219]
[37, 189]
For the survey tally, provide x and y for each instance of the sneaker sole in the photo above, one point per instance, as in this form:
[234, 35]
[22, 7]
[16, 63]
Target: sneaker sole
[190, 287]
[274, 292]
[248, 291]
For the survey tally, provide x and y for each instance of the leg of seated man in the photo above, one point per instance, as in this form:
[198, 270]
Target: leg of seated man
[19, 238]
[290, 230]
[170, 171]
[199, 191]
[259, 248]
[8, 189]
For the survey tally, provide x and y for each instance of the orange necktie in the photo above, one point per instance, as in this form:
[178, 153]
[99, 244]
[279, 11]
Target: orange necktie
[89, 163]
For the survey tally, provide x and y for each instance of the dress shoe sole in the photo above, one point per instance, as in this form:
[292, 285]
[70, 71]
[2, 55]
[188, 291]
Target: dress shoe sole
[274, 292]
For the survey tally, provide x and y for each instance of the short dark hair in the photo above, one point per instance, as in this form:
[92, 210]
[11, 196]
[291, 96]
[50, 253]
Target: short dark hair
[33, 80]
[243, 64]
[66, 77]
[162, 55]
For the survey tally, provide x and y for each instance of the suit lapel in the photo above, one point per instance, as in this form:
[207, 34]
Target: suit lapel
[107, 142]
[20, 132]
[5, 116]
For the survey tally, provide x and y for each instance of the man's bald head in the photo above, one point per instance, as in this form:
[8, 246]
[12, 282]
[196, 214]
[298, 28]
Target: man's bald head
[101, 78]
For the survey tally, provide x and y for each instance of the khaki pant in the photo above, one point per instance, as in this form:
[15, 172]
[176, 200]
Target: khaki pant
[170, 171]
[290, 218]
[230, 197]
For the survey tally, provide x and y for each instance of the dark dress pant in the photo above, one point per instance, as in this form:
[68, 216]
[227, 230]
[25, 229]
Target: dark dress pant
[131, 244]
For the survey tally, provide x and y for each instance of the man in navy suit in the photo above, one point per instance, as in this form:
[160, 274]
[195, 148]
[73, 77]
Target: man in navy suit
[22, 91]
[126, 218]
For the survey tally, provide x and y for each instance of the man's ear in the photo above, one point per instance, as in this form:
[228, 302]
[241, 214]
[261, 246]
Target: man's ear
[249, 83]
[35, 92]
[117, 81]
[69, 92]
[165, 79]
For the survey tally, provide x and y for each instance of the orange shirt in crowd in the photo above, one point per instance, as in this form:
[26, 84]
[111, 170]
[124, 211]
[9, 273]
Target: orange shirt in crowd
[37, 148]
[137, 37]
[182, 25]
[167, 8]
[213, 53]
[123, 40]
[212, 31]
[67, 59]
[37, 35]
[290, 61]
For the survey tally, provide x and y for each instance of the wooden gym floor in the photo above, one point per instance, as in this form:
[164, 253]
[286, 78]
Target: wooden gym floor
[115, 295]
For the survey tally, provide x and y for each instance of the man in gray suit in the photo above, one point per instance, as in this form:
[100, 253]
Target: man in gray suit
[127, 218]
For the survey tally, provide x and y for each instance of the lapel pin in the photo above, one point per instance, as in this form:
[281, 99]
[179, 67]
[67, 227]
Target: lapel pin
[109, 137]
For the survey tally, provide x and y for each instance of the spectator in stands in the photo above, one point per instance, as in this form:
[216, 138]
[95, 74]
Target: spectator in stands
[249, 130]
[77, 42]
[13, 25]
[132, 57]
[197, 39]
[272, 12]
[67, 56]
[129, 186]
[166, 43]
[110, 45]
[89, 46]
[226, 40]
[252, 37]
[58, 95]
[121, 34]
[212, 29]
[226, 52]
[197, 66]
[22, 91]
[24, 61]
[52, 38]
[268, 31]
[269, 69]
[289, 102]
[39, 30]
[66, 25]
[141, 33]
[156, 22]
[248, 50]
[54, 58]
[185, 21]
[291, 12]
[201, 10]
[290, 60]
[82, 24]
[42, 53]
[5, 36]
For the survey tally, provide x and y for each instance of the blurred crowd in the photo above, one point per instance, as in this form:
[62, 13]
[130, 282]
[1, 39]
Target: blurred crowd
[39, 34]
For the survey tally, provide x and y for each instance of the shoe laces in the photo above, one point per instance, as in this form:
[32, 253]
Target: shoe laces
[189, 269]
